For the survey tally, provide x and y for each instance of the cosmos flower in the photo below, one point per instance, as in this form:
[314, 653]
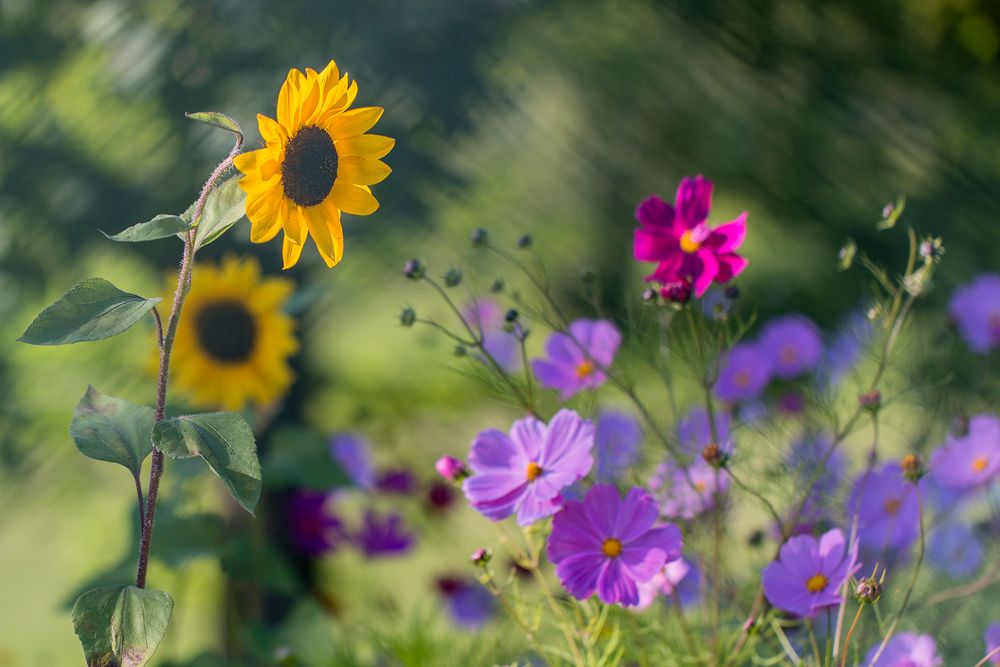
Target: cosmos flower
[616, 444]
[809, 573]
[353, 455]
[955, 550]
[397, 481]
[745, 372]
[677, 578]
[887, 508]
[524, 472]
[976, 309]
[383, 536]
[469, 605]
[969, 460]
[314, 529]
[607, 545]
[906, 649]
[685, 493]
[694, 432]
[575, 360]
[233, 344]
[793, 345]
[992, 639]
[686, 248]
[487, 317]
[317, 162]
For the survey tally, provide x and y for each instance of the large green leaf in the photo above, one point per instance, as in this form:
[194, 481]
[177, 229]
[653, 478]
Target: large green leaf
[121, 626]
[92, 310]
[225, 441]
[110, 429]
[224, 207]
[160, 227]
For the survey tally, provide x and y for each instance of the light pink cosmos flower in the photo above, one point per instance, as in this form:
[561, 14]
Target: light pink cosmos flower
[687, 249]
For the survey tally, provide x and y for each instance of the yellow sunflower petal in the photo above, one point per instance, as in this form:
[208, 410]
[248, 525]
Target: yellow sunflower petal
[249, 162]
[353, 199]
[309, 103]
[321, 220]
[354, 122]
[365, 145]
[292, 222]
[288, 99]
[290, 252]
[271, 130]
[362, 171]
[262, 211]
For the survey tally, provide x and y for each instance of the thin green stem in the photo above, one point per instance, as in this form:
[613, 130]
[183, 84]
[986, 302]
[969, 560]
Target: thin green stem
[850, 633]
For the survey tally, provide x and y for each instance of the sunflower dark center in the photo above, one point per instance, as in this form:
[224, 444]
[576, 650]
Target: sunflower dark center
[227, 331]
[310, 166]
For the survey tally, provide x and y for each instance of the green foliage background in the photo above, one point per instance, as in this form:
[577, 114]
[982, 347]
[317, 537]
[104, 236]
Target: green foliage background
[548, 117]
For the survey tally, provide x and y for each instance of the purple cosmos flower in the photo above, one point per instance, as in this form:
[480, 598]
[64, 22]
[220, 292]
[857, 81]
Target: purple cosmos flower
[524, 472]
[992, 639]
[976, 309]
[616, 444]
[685, 493]
[808, 574]
[469, 605]
[313, 528]
[906, 649]
[396, 482]
[486, 316]
[969, 460]
[887, 509]
[608, 545]
[352, 453]
[686, 248]
[679, 578]
[793, 344]
[576, 359]
[744, 374]
[694, 433]
[955, 550]
[383, 536]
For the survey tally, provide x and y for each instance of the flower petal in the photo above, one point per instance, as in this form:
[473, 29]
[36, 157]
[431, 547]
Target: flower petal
[354, 122]
[694, 199]
[290, 252]
[728, 237]
[655, 214]
[362, 171]
[353, 199]
[318, 221]
[366, 145]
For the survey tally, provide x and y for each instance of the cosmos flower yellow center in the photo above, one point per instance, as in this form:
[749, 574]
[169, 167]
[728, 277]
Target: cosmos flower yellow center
[688, 242]
[699, 486]
[533, 472]
[226, 331]
[817, 583]
[979, 464]
[612, 547]
[310, 166]
[584, 369]
[742, 379]
[892, 506]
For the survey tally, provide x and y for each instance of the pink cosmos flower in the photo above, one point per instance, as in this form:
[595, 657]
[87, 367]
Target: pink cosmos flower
[686, 248]
[575, 360]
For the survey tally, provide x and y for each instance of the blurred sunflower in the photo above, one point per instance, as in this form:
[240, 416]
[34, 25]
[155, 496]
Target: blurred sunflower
[317, 162]
[234, 340]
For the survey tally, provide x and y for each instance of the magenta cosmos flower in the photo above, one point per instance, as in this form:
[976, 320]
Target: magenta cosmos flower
[971, 460]
[524, 472]
[808, 574]
[976, 310]
[608, 545]
[680, 240]
[576, 359]
[907, 649]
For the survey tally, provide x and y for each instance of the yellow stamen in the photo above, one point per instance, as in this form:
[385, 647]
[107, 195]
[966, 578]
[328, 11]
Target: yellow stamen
[688, 244]
[979, 464]
[817, 583]
[612, 548]
[534, 471]
[699, 486]
[892, 506]
[584, 369]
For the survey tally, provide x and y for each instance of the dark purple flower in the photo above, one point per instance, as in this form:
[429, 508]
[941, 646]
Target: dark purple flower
[809, 573]
[396, 482]
[575, 360]
[469, 605]
[616, 444]
[312, 526]
[793, 345]
[351, 452]
[694, 432]
[745, 372]
[608, 546]
[887, 509]
[524, 472]
[677, 578]
[685, 247]
[971, 460]
[383, 536]
[992, 639]
[906, 649]
[486, 316]
[440, 496]
[976, 309]
[685, 493]
[452, 469]
[955, 550]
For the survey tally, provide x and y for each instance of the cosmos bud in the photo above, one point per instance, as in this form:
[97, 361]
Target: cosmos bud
[479, 237]
[868, 590]
[413, 269]
[714, 456]
[913, 467]
[678, 292]
[452, 469]
[408, 317]
[497, 286]
[453, 277]
[481, 557]
[871, 400]
[525, 242]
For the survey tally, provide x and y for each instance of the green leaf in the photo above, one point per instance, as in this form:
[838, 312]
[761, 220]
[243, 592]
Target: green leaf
[121, 626]
[160, 227]
[216, 119]
[110, 429]
[299, 458]
[92, 310]
[225, 441]
[224, 207]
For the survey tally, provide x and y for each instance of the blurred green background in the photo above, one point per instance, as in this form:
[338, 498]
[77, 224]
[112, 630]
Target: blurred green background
[548, 117]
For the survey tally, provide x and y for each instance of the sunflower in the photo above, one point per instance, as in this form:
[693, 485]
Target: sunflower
[317, 162]
[234, 340]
